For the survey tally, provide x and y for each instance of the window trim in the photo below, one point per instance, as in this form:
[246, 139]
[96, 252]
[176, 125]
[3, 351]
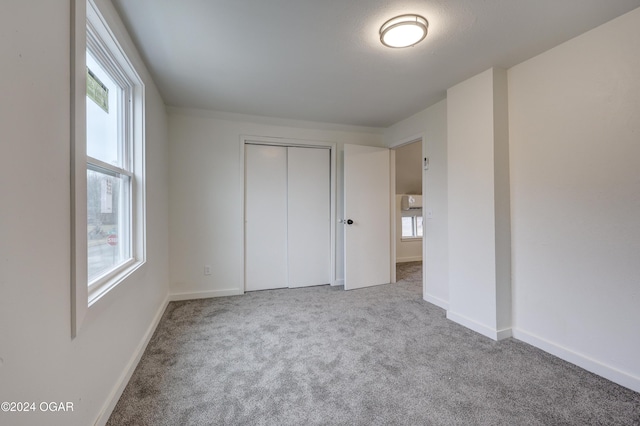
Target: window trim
[88, 25]
[113, 67]
[414, 225]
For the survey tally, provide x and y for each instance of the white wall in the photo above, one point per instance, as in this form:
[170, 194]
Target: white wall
[206, 193]
[408, 250]
[38, 359]
[431, 125]
[575, 168]
[479, 258]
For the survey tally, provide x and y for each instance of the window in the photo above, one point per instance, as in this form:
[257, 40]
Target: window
[113, 93]
[412, 227]
[108, 161]
[109, 172]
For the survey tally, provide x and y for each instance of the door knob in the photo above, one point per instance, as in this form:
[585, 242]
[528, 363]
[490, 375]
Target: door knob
[349, 222]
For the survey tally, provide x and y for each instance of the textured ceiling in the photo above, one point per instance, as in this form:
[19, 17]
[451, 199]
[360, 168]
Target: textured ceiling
[321, 60]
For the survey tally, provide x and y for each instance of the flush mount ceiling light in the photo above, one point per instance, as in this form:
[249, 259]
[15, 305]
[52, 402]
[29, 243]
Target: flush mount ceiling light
[404, 31]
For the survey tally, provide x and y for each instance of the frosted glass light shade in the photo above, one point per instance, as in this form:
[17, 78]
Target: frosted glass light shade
[403, 31]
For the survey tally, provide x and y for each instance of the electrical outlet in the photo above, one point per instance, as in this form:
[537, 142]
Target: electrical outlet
[207, 270]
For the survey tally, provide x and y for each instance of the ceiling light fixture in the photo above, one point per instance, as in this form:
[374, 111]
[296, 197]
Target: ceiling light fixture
[404, 31]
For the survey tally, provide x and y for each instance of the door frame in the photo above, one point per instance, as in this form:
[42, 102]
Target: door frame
[290, 142]
[392, 168]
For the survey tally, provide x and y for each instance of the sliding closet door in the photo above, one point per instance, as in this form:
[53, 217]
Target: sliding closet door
[265, 217]
[309, 218]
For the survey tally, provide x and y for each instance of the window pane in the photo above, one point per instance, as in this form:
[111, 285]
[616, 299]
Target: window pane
[108, 207]
[407, 226]
[419, 225]
[103, 138]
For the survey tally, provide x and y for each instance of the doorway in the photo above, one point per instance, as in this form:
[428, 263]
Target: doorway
[407, 250]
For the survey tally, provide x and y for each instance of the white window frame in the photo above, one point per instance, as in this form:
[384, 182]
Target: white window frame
[414, 225]
[90, 30]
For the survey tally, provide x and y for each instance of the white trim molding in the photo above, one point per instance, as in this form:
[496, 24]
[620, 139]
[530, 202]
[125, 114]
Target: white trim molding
[581, 360]
[175, 297]
[436, 301]
[124, 378]
[480, 328]
[406, 141]
[78, 181]
[272, 121]
[91, 32]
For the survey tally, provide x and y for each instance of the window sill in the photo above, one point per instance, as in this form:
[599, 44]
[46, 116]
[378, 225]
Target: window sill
[408, 239]
[110, 281]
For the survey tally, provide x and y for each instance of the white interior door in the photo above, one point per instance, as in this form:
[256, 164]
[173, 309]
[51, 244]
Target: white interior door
[367, 251]
[309, 216]
[265, 217]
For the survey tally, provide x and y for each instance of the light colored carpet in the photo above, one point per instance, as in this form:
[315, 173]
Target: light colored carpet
[376, 356]
[409, 272]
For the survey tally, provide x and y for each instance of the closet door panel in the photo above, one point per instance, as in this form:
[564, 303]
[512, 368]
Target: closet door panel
[309, 218]
[265, 217]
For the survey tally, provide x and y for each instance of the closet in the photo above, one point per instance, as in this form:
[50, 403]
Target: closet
[287, 216]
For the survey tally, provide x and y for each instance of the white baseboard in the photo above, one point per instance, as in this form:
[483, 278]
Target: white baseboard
[505, 333]
[123, 380]
[479, 328]
[175, 297]
[608, 372]
[436, 301]
[339, 282]
[408, 259]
